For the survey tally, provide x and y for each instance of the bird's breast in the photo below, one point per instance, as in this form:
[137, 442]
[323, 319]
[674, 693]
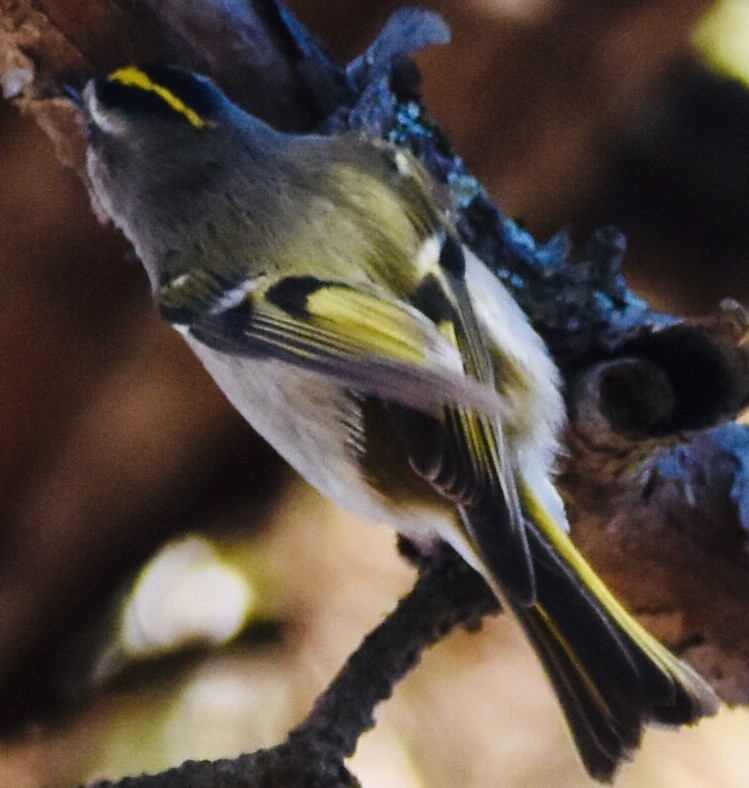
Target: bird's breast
[336, 441]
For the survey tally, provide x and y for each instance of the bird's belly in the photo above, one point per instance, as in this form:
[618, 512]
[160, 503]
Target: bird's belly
[307, 420]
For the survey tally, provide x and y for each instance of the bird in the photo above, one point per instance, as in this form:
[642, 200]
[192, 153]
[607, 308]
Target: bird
[322, 282]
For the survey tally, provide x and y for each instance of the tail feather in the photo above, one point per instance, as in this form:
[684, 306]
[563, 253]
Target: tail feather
[611, 676]
[602, 741]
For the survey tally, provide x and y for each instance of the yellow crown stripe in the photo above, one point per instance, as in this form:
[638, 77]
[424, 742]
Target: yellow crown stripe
[134, 77]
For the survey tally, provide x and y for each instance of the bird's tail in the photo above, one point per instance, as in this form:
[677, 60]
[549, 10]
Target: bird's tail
[611, 676]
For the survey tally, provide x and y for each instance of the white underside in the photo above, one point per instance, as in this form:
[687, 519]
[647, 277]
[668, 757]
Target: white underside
[304, 418]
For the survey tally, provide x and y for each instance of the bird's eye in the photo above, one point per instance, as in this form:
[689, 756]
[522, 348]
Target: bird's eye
[103, 113]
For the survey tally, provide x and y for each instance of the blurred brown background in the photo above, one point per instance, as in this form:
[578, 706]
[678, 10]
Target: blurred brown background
[113, 440]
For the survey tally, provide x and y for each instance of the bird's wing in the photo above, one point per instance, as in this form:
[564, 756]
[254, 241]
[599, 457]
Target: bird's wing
[359, 337]
[471, 465]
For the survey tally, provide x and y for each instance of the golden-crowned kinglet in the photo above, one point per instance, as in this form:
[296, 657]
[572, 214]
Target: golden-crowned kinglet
[323, 285]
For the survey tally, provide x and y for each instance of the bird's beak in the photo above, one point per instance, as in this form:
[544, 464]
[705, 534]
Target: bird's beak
[74, 95]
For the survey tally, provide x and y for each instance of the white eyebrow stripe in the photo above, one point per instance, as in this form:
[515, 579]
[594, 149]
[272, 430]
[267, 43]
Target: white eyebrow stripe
[108, 122]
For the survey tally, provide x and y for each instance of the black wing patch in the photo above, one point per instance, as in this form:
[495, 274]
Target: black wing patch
[365, 340]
